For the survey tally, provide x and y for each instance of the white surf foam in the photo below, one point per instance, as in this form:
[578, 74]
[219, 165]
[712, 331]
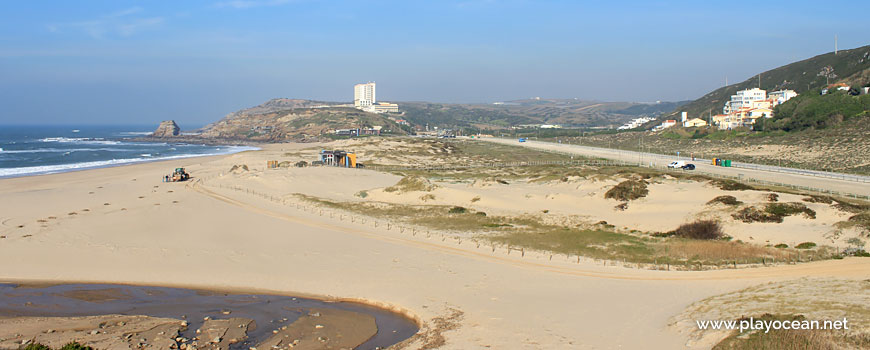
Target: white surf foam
[52, 169]
[80, 140]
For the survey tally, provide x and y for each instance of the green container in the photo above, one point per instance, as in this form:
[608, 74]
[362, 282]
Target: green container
[728, 162]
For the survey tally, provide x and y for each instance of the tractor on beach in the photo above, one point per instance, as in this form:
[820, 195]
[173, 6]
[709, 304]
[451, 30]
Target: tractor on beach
[178, 175]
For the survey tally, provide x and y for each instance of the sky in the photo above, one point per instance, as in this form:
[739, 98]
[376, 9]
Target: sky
[139, 62]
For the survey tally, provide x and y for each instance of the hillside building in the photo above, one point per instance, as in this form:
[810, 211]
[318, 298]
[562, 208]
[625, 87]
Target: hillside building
[666, 124]
[744, 99]
[365, 98]
[779, 97]
[636, 122]
[364, 95]
[386, 107]
[694, 122]
[748, 105]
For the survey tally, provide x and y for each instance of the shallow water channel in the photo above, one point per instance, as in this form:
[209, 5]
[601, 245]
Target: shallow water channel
[191, 305]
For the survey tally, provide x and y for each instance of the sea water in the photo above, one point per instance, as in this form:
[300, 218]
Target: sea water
[33, 150]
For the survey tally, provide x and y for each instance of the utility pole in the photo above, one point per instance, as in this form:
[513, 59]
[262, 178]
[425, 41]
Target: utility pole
[835, 44]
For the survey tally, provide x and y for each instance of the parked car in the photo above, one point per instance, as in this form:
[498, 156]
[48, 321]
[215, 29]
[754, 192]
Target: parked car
[689, 167]
[522, 140]
[676, 164]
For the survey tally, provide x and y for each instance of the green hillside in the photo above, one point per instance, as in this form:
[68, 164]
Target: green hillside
[849, 66]
[816, 111]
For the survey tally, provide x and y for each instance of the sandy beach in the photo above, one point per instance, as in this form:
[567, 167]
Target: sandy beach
[123, 225]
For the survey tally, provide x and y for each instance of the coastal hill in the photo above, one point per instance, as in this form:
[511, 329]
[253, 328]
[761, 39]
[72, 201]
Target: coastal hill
[847, 66]
[284, 119]
[567, 112]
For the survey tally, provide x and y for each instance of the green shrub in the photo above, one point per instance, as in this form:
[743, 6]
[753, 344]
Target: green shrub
[36, 346]
[701, 229]
[727, 200]
[806, 245]
[851, 207]
[752, 214]
[729, 185]
[788, 209]
[457, 210]
[818, 199]
[628, 190]
[781, 246]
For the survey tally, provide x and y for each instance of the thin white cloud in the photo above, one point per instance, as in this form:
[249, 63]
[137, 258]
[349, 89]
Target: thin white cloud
[124, 12]
[119, 23]
[138, 25]
[244, 4]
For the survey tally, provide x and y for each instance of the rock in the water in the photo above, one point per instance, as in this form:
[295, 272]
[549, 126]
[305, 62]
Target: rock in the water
[167, 128]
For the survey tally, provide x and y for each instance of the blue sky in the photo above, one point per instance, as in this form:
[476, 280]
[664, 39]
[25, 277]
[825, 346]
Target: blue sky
[138, 62]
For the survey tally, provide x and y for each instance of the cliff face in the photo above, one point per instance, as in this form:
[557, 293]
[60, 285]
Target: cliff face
[167, 128]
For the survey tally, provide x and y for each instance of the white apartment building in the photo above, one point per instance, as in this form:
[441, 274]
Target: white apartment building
[744, 99]
[636, 122]
[364, 95]
[779, 97]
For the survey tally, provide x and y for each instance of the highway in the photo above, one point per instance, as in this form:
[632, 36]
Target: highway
[843, 184]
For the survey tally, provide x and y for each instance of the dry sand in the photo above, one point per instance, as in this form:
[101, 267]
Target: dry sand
[124, 225]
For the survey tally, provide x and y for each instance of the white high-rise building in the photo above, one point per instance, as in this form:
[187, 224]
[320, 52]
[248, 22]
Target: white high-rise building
[364, 95]
[744, 99]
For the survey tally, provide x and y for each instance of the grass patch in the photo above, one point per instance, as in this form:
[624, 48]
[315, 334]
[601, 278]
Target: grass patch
[598, 241]
[784, 338]
[727, 200]
[861, 221]
[70, 346]
[410, 184]
[593, 243]
[628, 190]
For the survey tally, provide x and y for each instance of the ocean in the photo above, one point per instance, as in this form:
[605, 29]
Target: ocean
[33, 150]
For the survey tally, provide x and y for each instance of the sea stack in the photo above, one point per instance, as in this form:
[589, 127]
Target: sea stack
[167, 128]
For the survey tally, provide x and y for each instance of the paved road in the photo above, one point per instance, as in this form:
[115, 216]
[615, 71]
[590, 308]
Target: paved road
[844, 184]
